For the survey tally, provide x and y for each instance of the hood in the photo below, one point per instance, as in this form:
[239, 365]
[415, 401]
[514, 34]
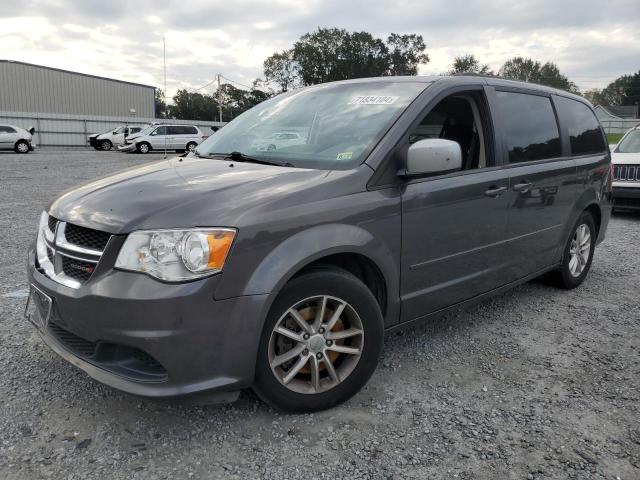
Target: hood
[182, 193]
[625, 158]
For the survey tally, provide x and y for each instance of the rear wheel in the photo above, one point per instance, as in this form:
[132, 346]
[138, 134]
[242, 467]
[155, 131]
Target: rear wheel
[320, 343]
[143, 147]
[191, 146]
[105, 145]
[21, 146]
[578, 254]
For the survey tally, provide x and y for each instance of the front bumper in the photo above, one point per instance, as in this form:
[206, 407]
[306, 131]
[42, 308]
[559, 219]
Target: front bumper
[198, 344]
[127, 147]
[626, 197]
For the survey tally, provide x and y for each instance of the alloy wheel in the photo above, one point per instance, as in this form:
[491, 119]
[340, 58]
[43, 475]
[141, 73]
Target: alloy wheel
[579, 250]
[23, 147]
[316, 344]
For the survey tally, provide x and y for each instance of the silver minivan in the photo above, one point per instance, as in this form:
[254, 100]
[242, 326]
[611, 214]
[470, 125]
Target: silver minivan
[164, 137]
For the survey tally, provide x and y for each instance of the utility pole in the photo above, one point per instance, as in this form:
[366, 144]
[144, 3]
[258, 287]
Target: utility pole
[164, 94]
[219, 100]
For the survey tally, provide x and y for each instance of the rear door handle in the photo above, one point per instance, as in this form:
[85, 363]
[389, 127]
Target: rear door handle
[495, 191]
[522, 187]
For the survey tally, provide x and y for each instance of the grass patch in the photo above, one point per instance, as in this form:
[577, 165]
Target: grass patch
[614, 137]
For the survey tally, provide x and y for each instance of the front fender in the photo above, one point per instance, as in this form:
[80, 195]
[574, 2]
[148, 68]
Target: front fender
[314, 243]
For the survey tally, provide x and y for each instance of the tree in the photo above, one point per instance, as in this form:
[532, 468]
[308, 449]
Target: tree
[469, 64]
[624, 90]
[406, 53]
[330, 54]
[281, 69]
[159, 104]
[235, 100]
[193, 106]
[528, 70]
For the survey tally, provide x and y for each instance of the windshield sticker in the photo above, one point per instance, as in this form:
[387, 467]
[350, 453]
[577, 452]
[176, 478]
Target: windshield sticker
[374, 100]
[344, 156]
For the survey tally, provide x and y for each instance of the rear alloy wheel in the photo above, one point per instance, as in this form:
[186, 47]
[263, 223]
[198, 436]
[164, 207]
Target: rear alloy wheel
[105, 145]
[143, 147]
[321, 341]
[578, 253]
[191, 146]
[22, 147]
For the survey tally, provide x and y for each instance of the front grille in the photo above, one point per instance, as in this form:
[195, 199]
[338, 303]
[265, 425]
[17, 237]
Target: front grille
[86, 237]
[626, 173]
[77, 269]
[120, 359]
[77, 345]
[52, 223]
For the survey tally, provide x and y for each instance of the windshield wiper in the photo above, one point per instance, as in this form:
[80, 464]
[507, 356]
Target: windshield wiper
[241, 157]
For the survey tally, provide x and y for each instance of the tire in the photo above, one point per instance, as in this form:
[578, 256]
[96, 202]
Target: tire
[331, 354]
[575, 267]
[143, 147]
[191, 146]
[21, 146]
[105, 145]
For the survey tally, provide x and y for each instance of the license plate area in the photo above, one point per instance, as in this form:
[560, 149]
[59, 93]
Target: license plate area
[38, 308]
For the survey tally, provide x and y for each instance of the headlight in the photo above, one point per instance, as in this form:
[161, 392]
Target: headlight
[176, 255]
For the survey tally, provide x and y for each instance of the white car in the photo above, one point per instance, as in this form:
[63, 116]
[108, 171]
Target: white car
[115, 137]
[625, 157]
[164, 137]
[16, 138]
[278, 140]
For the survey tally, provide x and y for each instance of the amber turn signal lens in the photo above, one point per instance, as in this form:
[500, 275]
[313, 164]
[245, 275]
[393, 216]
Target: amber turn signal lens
[219, 246]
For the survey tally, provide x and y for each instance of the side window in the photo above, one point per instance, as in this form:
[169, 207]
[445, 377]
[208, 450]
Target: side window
[160, 131]
[458, 118]
[174, 130]
[190, 130]
[585, 135]
[530, 127]
[135, 130]
[7, 129]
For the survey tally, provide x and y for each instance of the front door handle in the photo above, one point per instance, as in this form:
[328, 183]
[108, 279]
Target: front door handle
[522, 187]
[495, 191]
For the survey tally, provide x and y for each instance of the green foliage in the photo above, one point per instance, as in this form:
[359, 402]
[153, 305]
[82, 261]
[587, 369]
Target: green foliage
[529, 70]
[469, 64]
[159, 104]
[193, 106]
[624, 90]
[281, 69]
[330, 54]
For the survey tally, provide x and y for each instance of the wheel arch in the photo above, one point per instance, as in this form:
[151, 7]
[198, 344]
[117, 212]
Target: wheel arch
[349, 247]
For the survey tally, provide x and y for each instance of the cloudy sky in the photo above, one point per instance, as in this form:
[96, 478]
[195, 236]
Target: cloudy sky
[593, 42]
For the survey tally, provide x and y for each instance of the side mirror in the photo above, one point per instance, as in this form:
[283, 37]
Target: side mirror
[433, 155]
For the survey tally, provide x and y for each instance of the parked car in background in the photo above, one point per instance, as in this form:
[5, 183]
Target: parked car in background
[107, 140]
[164, 137]
[17, 139]
[625, 157]
[278, 140]
[281, 270]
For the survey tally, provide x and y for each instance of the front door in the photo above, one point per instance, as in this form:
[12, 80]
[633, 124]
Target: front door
[454, 225]
[159, 139]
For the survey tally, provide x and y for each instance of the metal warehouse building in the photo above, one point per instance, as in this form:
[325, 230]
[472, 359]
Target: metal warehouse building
[33, 88]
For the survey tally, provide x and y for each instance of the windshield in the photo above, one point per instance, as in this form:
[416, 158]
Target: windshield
[147, 130]
[630, 143]
[332, 126]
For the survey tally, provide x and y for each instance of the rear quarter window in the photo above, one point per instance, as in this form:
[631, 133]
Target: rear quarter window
[529, 125]
[583, 127]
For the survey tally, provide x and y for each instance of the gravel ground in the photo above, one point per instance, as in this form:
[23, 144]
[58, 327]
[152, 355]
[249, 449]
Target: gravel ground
[536, 383]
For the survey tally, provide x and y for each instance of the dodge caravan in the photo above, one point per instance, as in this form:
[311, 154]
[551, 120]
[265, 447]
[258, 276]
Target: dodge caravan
[281, 269]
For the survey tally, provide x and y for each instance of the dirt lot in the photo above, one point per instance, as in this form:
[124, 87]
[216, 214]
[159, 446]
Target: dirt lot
[537, 383]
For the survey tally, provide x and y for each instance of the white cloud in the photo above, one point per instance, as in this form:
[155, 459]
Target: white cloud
[591, 45]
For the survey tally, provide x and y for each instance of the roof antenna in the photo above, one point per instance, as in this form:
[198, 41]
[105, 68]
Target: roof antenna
[164, 93]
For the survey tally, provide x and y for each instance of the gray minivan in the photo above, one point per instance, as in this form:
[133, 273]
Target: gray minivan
[282, 269]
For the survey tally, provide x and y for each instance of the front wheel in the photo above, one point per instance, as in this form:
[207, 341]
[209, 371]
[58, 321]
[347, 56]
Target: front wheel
[22, 147]
[320, 343]
[143, 147]
[105, 145]
[578, 253]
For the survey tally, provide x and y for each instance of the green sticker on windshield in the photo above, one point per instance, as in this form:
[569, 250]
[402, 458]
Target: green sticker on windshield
[344, 156]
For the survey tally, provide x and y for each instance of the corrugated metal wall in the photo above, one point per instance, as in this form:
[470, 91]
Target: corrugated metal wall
[72, 130]
[32, 88]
